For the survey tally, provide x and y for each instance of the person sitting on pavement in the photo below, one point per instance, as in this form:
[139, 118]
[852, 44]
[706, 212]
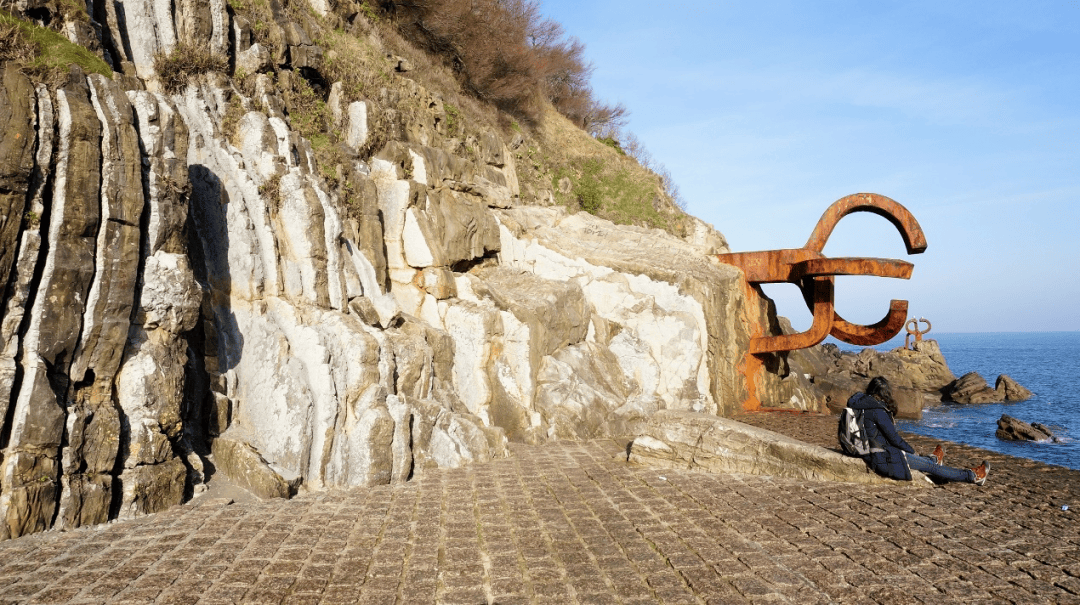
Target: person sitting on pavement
[890, 455]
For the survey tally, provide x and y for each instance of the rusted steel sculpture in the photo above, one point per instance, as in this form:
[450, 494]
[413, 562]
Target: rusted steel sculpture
[913, 328]
[815, 275]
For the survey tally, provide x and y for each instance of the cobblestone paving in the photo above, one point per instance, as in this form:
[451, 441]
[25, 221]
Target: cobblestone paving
[572, 523]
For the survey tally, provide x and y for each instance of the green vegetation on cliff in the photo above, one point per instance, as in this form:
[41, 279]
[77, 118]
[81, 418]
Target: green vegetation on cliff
[440, 73]
[583, 173]
[44, 53]
[505, 53]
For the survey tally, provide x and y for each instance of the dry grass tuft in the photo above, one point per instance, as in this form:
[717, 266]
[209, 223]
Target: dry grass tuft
[174, 69]
[14, 46]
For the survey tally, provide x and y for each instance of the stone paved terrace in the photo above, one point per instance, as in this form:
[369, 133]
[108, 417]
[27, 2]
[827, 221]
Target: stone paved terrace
[572, 523]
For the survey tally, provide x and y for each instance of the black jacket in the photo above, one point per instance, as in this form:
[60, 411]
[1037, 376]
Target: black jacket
[881, 432]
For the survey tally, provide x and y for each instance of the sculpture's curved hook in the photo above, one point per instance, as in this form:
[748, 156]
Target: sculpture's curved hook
[818, 292]
[928, 326]
[875, 333]
[905, 223]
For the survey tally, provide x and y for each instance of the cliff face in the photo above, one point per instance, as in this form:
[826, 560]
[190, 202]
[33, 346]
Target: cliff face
[194, 286]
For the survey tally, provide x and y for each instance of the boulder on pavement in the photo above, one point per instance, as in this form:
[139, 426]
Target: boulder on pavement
[248, 469]
[692, 440]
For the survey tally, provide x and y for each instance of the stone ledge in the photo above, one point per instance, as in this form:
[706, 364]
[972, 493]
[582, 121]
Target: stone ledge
[692, 440]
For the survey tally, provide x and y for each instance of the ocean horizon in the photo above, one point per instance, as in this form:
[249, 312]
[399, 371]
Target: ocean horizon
[1047, 363]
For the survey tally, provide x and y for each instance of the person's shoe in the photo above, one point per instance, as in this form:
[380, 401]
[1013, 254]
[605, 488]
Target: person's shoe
[939, 455]
[981, 472]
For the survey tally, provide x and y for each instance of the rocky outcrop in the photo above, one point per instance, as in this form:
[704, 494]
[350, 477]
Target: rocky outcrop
[93, 400]
[671, 318]
[920, 376]
[191, 286]
[1011, 429]
[972, 388]
[688, 440]
[917, 375]
[1010, 390]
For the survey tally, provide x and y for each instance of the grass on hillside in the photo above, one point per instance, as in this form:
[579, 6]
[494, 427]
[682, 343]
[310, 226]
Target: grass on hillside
[42, 53]
[603, 180]
[258, 14]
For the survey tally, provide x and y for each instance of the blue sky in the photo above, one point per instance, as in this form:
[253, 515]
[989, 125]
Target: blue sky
[966, 113]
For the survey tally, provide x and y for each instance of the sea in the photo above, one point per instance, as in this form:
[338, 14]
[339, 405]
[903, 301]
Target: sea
[1047, 363]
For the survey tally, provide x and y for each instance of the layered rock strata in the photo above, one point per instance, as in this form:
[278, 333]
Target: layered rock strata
[189, 291]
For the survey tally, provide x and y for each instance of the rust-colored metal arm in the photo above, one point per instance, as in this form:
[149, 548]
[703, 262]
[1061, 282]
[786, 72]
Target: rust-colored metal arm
[905, 223]
[878, 267]
[814, 274]
[872, 334]
[821, 303]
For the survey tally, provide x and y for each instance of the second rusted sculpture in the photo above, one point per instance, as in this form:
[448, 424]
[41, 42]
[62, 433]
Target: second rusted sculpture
[815, 274]
[913, 329]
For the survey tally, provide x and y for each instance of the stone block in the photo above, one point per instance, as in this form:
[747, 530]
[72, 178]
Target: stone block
[356, 133]
[256, 59]
[686, 440]
[248, 469]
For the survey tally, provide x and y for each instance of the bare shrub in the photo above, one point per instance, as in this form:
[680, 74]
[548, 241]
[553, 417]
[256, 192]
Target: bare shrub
[505, 53]
[564, 72]
[270, 191]
[174, 69]
[667, 182]
[485, 42]
[603, 120]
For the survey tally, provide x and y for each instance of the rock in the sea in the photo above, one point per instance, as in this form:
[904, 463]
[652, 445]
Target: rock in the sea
[1010, 390]
[971, 388]
[917, 375]
[1011, 429]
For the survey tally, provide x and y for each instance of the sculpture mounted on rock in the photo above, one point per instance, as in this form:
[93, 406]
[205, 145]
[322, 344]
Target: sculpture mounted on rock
[815, 274]
[913, 329]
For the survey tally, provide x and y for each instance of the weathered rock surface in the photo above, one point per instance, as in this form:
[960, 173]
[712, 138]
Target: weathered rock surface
[1011, 429]
[671, 317]
[917, 375]
[972, 388]
[1010, 390]
[688, 440]
[243, 464]
[187, 291]
[17, 122]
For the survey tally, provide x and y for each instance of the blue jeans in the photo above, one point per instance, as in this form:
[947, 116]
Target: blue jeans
[928, 465]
